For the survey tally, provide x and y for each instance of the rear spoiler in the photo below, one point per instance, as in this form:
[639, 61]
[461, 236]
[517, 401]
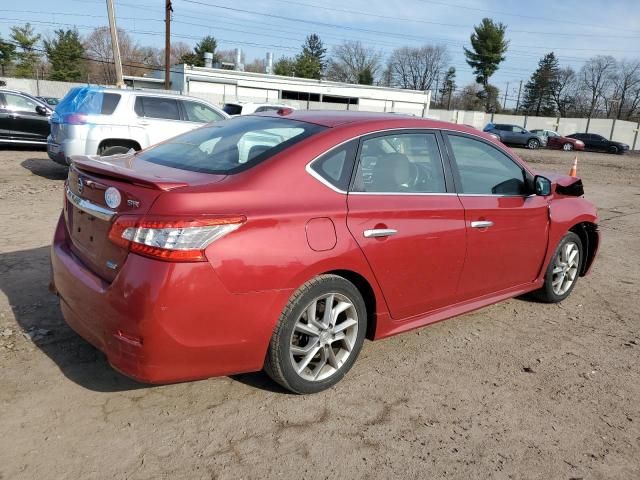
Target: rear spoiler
[120, 167]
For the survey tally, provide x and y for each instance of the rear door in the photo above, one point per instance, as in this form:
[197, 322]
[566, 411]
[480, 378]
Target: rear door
[407, 220]
[507, 228]
[21, 119]
[160, 117]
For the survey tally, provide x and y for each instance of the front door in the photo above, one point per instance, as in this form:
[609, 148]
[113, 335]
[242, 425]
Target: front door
[409, 225]
[22, 120]
[507, 228]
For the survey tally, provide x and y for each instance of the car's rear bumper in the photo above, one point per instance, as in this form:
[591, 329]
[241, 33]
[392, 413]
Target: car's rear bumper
[161, 322]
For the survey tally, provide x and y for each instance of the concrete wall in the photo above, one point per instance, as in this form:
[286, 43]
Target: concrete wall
[618, 130]
[42, 88]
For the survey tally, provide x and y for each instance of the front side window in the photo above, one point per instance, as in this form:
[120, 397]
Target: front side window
[485, 170]
[230, 146]
[157, 107]
[18, 103]
[200, 113]
[517, 129]
[400, 163]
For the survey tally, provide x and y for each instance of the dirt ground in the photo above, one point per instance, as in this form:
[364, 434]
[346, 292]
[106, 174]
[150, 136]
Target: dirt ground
[516, 390]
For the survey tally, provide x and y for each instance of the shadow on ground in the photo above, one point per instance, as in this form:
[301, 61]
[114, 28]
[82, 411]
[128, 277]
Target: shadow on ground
[43, 167]
[24, 279]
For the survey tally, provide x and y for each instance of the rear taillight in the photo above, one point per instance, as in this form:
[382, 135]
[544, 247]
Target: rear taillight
[74, 118]
[172, 239]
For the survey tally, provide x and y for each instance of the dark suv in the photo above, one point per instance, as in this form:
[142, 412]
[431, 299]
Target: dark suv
[23, 118]
[593, 141]
[515, 135]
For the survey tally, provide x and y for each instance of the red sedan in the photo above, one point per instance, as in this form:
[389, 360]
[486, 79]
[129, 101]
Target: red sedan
[280, 241]
[555, 140]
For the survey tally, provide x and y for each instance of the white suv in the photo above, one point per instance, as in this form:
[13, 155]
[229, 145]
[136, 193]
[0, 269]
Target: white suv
[106, 121]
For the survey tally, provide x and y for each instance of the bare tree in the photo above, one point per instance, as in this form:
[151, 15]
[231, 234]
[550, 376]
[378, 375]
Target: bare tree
[469, 98]
[352, 62]
[565, 90]
[626, 80]
[258, 65]
[417, 68]
[596, 76]
[98, 48]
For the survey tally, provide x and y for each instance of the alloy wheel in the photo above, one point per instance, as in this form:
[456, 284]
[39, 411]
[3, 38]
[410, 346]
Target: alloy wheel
[565, 268]
[533, 144]
[567, 147]
[323, 337]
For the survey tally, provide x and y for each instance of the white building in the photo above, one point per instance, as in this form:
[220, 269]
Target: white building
[221, 86]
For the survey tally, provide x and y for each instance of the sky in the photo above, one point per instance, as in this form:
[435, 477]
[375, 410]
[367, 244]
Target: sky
[573, 29]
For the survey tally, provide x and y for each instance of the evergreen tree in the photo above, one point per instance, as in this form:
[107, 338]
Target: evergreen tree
[65, 54]
[540, 90]
[310, 63]
[285, 66]
[365, 77]
[27, 56]
[448, 87]
[488, 45]
[7, 56]
[196, 58]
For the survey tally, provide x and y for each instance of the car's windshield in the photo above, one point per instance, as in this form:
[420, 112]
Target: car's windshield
[231, 145]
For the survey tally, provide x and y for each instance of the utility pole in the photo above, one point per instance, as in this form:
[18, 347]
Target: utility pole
[518, 102]
[506, 92]
[435, 96]
[114, 44]
[168, 9]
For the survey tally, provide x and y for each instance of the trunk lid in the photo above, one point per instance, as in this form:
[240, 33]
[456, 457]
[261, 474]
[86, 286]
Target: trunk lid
[89, 218]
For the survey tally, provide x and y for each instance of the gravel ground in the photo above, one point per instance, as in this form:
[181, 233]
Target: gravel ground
[516, 390]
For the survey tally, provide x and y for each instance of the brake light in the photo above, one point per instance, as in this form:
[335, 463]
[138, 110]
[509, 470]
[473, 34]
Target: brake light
[284, 111]
[74, 118]
[171, 239]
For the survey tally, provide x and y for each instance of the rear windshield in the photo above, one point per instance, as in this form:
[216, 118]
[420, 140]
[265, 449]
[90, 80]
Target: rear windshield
[232, 109]
[88, 101]
[230, 146]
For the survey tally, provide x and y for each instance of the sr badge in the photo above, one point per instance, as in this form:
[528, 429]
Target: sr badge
[112, 197]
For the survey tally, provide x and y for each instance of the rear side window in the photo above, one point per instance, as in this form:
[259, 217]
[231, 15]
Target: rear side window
[232, 109]
[198, 112]
[230, 146]
[157, 107]
[400, 163]
[109, 103]
[485, 170]
[335, 166]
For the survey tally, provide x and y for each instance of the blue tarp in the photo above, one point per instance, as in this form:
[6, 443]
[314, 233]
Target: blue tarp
[83, 100]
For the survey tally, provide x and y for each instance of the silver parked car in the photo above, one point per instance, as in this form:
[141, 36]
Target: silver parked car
[106, 121]
[515, 135]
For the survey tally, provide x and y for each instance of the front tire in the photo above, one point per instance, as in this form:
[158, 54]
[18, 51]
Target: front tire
[563, 270]
[567, 147]
[533, 144]
[613, 149]
[319, 335]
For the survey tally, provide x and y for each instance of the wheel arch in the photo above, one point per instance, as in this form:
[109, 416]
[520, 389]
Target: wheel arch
[590, 238]
[118, 142]
[368, 295]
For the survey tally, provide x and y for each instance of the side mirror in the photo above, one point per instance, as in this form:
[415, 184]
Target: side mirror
[542, 185]
[40, 110]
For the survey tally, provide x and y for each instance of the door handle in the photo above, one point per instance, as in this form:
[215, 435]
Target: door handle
[482, 224]
[379, 232]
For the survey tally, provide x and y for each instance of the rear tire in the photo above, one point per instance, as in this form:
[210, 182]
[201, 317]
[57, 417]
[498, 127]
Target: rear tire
[311, 351]
[115, 150]
[563, 270]
[533, 143]
[567, 147]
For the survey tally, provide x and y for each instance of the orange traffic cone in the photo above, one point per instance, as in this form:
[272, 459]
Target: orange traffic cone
[574, 168]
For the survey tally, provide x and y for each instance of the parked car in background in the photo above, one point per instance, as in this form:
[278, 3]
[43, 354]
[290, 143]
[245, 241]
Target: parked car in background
[593, 141]
[193, 259]
[106, 121]
[247, 108]
[492, 135]
[53, 101]
[515, 135]
[23, 118]
[555, 140]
